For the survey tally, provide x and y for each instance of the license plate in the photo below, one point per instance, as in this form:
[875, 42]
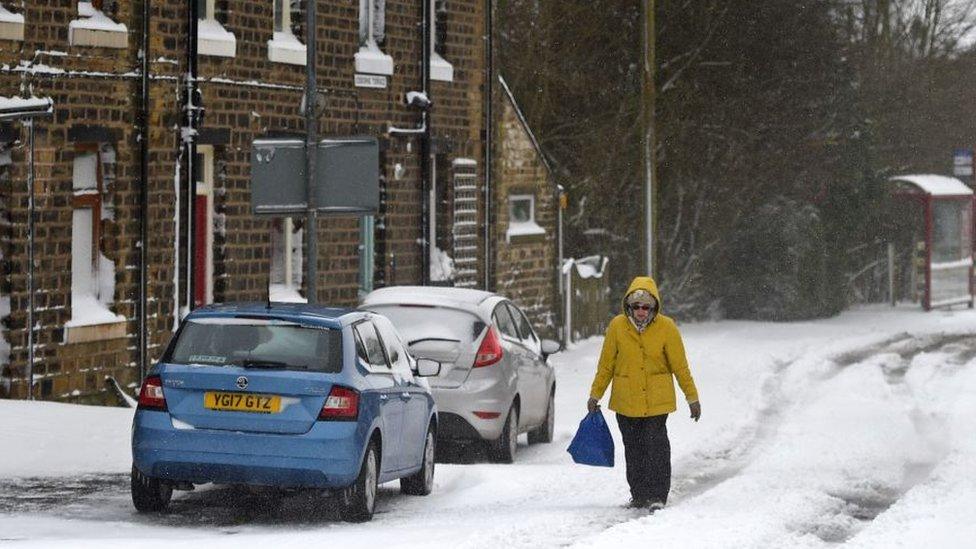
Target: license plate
[242, 402]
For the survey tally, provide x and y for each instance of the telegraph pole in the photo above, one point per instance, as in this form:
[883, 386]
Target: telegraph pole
[312, 215]
[647, 136]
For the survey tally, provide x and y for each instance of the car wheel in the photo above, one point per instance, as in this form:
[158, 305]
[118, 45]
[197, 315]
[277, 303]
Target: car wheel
[543, 433]
[503, 449]
[149, 494]
[422, 482]
[360, 498]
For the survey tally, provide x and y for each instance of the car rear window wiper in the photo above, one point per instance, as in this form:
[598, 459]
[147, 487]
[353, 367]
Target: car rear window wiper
[266, 364]
[412, 342]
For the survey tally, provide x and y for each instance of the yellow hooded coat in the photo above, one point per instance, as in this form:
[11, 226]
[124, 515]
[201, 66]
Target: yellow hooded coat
[641, 365]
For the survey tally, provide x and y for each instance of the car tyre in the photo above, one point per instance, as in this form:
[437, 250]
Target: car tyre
[422, 482]
[149, 495]
[359, 500]
[503, 450]
[543, 433]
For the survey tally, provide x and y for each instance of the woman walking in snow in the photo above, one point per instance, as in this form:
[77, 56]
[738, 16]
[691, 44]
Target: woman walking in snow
[641, 352]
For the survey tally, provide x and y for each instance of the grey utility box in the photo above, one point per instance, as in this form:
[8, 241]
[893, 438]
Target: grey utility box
[346, 182]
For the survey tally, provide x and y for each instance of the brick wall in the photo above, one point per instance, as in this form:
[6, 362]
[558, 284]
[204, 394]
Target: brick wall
[96, 93]
[525, 266]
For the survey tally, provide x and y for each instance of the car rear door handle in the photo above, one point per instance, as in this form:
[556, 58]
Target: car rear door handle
[384, 397]
[405, 395]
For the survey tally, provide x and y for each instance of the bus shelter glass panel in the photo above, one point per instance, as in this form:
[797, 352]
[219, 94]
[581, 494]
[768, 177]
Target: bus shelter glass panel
[951, 250]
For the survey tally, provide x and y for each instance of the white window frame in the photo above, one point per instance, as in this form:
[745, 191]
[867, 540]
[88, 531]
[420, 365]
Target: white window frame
[11, 25]
[95, 29]
[522, 228]
[370, 59]
[440, 69]
[284, 46]
[212, 38]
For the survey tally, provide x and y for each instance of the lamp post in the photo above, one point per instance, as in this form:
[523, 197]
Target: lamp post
[647, 134]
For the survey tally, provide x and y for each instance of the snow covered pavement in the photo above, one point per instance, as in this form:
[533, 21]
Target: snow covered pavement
[855, 430]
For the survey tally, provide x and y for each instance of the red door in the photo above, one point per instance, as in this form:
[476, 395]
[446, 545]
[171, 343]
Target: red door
[201, 253]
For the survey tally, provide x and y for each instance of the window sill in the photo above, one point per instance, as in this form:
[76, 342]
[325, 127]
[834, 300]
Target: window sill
[371, 60]
[11, 26]
[98, 31]
[440, 69]
[285, 48]
[523, 231]
[85, 333]
[213, 39]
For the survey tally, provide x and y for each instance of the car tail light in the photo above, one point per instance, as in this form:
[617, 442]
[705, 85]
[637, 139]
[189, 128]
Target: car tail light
[490, 350]
[151, 394]
[342, 404]
[487, 415]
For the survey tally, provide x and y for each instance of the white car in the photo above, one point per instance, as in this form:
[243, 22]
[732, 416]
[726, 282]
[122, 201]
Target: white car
[495, 380]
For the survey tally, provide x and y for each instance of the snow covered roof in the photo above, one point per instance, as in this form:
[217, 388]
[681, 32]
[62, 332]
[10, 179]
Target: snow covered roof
[427, 295]
[936, 185]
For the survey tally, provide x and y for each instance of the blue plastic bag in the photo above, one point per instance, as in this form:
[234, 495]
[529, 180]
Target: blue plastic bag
[592, 444]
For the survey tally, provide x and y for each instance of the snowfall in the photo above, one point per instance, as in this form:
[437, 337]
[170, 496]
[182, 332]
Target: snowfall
[857, 430]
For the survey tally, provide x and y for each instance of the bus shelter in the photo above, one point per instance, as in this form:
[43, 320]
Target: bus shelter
[947, 249]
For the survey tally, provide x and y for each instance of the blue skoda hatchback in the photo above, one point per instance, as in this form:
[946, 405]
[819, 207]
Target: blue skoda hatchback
[289, 396]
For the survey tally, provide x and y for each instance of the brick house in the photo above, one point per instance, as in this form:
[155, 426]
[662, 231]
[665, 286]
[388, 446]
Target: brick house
[94, 288]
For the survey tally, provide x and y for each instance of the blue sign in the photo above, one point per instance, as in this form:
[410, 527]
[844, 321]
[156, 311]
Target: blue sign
[962, 162]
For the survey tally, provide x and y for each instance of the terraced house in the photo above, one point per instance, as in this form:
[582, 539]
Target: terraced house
[126, 128]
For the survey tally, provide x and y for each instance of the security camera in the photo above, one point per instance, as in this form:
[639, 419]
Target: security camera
[418, 100]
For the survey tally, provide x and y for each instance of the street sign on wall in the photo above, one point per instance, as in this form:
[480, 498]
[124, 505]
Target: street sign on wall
[347, 181]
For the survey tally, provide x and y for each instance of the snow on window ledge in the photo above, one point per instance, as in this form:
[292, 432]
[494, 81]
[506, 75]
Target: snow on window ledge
[525, 228]
[213, 39]
[11, 25]
[371, 60]
[92, 321]
[440, 69]
[286, 48]
[97, 30]
[284, 293]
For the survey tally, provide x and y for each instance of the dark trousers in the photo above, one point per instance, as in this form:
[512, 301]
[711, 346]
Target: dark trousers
[648, 453]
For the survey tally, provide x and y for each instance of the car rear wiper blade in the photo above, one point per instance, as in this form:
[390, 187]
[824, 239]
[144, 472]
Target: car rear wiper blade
[433, 339]
[266, 364]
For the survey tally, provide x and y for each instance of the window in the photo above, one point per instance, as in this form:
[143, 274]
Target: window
[11, 25]
[212, 38]
[370, 59]
[95, 27]
[369, 343]
[286, 261]
[394, 347]
[92, 273]
[439, 68]
[504, 322]
[521, 216]
[285, 46]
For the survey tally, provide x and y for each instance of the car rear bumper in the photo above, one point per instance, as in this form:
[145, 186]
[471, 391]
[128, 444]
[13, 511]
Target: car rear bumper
[482, 392]
[327, 456]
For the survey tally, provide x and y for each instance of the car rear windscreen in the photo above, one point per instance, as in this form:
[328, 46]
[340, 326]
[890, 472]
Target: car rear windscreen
[428, 324]
[258, 343]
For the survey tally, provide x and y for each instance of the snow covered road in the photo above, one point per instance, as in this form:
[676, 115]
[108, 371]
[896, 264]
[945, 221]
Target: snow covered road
[855, 430]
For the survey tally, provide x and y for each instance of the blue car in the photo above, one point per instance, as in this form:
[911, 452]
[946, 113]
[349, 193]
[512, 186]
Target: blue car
[289, 396]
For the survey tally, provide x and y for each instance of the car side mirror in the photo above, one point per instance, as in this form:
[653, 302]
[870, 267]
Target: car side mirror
[427, 367]
[550, 347]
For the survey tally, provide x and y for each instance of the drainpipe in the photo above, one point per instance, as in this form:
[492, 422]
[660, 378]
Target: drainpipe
[311, 215]
[26, 111]
[190, 141]
[144, 196]
[489, 133]
[425, 163]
